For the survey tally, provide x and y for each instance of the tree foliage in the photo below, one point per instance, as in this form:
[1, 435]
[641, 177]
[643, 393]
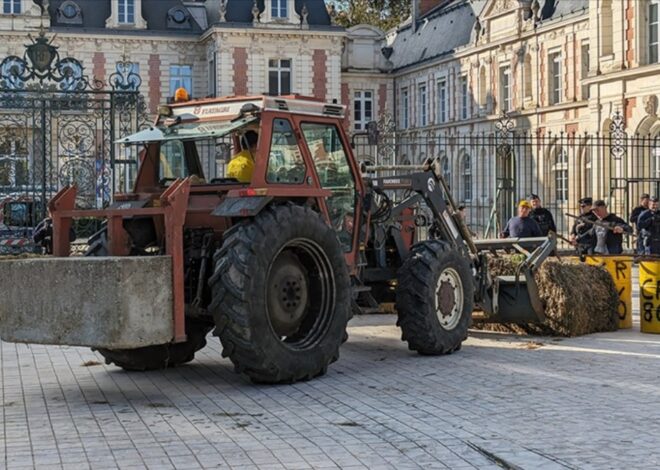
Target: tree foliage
[384, 14]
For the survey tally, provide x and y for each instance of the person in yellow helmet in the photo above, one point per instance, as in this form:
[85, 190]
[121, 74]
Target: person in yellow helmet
[241, 165]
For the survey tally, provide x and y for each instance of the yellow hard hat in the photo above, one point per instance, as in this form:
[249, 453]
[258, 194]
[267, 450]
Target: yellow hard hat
[525, 203]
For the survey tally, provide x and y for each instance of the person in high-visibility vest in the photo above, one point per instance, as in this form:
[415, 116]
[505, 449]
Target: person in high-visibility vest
[241, 165]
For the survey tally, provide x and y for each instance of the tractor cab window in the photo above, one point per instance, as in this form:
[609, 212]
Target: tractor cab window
[334, 171]
[179, 160]
[285, 163]
[172, 160]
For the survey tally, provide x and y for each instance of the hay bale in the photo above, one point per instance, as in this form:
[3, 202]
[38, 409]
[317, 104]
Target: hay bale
[20, 256]
[579, 299]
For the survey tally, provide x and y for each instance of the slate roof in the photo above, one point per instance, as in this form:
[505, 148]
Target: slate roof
[439, 33]
[203, 13]
[449, 27]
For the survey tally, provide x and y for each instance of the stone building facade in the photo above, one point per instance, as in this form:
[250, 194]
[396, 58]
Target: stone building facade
[560, 70]
[212, 47]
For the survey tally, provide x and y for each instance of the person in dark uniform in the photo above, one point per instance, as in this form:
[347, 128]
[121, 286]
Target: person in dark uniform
[608, 241]
[522, 226]
[644, 202]
[648, 224]
[580, 239]
[541, 215]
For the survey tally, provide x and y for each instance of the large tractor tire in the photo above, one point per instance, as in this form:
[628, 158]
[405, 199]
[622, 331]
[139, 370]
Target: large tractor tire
[435, 298]
[281, 295]
[151, 357]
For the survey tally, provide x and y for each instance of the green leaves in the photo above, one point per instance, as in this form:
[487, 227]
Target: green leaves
[384, 14]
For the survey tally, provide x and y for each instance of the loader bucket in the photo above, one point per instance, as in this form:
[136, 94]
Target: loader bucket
[112, 302]
[515, 299]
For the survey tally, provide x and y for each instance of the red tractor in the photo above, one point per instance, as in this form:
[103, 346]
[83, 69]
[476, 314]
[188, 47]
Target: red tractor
[275, 266]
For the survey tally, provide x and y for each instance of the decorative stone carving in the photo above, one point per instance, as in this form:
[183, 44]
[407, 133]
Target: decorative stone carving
[304, 13]
[255, 12]
[651, 105]
[223, 11]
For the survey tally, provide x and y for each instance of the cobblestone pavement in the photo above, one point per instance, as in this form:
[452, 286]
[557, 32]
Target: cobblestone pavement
[590, 402]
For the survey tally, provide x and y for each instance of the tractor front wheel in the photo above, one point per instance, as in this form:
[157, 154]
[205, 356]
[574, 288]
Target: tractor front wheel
[435, 298]
[281, 295]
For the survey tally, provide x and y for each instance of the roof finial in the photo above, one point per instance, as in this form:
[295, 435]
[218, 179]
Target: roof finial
[255, 12]
[223, 11]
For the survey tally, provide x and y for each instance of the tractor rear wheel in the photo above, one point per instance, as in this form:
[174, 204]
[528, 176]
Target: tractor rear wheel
[155, 357]
[435, 298]
[281, 295]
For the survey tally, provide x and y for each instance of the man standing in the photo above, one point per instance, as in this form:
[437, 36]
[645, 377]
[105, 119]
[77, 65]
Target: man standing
[541, 215]
[608, 238]
[648, 224]
[522, 226]
[644, 202]
[580, 237]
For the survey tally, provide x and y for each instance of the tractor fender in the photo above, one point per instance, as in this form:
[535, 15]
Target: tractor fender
[244, 206]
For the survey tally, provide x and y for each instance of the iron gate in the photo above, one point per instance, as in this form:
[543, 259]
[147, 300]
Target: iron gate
[58, 127]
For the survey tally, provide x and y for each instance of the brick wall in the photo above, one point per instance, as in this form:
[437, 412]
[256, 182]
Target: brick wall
[154, 82]
[319, 80]
[98, 63]
[240, 71]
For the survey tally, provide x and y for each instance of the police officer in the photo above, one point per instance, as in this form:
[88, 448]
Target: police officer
[648, 223]
[541, 215]
[581, 237]
[644, 201]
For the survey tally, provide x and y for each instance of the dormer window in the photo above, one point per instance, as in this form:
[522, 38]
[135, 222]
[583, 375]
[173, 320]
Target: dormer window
[178, 18]
[11, 7]
[69, 13]
[279, 9]
[126, 12]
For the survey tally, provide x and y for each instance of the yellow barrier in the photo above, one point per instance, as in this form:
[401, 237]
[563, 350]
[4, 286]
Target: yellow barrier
[649, 296]
[620, 268]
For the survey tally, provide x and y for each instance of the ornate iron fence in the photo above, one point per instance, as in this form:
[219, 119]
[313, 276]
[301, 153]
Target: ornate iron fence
[58, 126]
[490, 172]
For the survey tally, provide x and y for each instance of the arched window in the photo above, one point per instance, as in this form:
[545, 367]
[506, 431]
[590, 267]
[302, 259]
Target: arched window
[606, 28]
[587, 185]
[466, 178]
[446, 171]
[560, 169]
[527, 71]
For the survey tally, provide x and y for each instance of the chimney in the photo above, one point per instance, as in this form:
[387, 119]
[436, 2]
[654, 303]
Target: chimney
[427, 5]
[415, 13]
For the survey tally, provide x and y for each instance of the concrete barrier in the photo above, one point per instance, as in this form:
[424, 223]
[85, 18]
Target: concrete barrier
[115, 302]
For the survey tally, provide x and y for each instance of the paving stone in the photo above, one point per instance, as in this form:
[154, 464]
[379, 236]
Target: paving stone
[573, 403]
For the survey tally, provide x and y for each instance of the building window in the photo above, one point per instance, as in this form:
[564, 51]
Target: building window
[585, 70]
[363, 105]
[180, 77]
[653, 32]
[442, 101]
[446, 172]
[279, 76]
[126, 11]
[606, 28]
[463, 90]
[278, 9]
[561, 175]
[554, 65]
[404, 109]
[483, 90]
[11, 7]
[527, 70]
[213, 75]
[505, 89]
[423, 105]
[466, 178]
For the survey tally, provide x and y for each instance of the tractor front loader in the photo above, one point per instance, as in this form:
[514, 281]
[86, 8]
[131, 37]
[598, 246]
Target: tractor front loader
[275, 265]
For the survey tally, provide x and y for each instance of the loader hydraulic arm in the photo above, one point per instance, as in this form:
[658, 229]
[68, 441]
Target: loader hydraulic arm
[429, 187]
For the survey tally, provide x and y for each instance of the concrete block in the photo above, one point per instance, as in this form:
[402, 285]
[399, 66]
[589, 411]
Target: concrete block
[114, 302]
